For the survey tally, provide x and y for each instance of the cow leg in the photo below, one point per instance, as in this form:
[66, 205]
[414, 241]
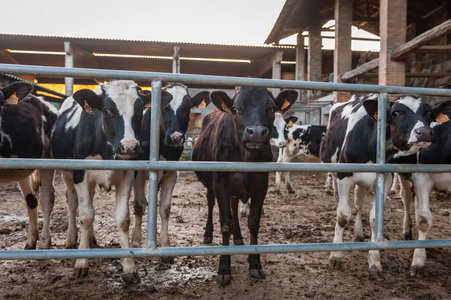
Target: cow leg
[344, 212]
[139, 207]
[407, 197]
[243, 208]
[26, 186]
[208, 234]
[86, 215]
[359, 198]
[236, 230]
[423, 187]
[167, 187]
[279, 174]
[122, 214]
[47, 197]
[374, 256]
[92, 239]
[72, 204]
[287, 180]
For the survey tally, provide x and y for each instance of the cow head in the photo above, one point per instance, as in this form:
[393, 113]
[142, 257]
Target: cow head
[278, 132]
[253, 111]
[13, 93]
[176, 115]
[408, 120]
[121, 106]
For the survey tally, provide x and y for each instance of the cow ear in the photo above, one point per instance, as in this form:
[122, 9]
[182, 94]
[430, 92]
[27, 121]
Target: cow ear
[201, 100]
[370, 106]
[16, 91]
[146, 97]
[441, 112]
[285, 100]
[221, 100]
[89, 100]
[290, 121]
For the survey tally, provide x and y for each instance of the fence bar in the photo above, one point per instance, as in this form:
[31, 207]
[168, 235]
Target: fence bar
[216, 80]
[153, 174]
[380, 160]
[71, 164]
[217, 250]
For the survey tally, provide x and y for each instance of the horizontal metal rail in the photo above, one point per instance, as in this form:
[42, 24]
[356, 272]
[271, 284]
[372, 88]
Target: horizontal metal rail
[215, 80]
[153, 165]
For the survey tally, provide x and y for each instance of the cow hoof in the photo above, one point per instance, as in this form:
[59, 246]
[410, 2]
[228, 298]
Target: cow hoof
[277, 192]
[167, 259]
[45, 244]
[207, 240]
[238, 242]
[358, 238]
[291, 192]
[335, 264]
[408, 236]
[80, 272]
[375, 275]
[417, 272]
[131, 278]
[27, 247]
[243, 214]
[257, 274]
[93, 243]
[223, 279]
[71, 246]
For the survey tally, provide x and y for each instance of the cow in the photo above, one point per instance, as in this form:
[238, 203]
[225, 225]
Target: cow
[439, 152]
[26, 125]
[239, 130]
[303, 141]
[174, 123]
[103, 125]
[351, 137]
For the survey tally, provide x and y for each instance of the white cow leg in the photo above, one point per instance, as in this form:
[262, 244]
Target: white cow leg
[374, 256]
[26, 187]
[423, 186]
[167, 187]
[47, 195]
[243, 208]
[344, 212]
[72, 205]
[359, 198]
[122, 213]
[278, 181]
[406, 196]
[139, 207]
[287, 180]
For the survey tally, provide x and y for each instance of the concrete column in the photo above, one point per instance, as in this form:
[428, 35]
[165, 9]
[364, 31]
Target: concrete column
[342, 52]
[300, 62]
[314, 66]
[277, 70]
[176, 60]
[392, 30]
[69, 63]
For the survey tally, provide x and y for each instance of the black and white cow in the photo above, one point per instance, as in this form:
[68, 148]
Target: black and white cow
[303, 141]
[351, 137]
[101, 125]
[439, 152]
[238, 131]
[26, 125]
[174, 123]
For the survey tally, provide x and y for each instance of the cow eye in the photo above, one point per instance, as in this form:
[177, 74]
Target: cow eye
[108, 113]
[234, 110]
[397, 113]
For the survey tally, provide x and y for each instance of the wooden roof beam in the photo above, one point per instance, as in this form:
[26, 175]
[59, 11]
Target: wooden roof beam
[422, 39]
[433, 49]
[360, 70]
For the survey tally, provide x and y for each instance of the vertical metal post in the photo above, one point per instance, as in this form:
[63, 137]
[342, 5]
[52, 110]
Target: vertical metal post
[69, 63]
[176, 60]
[277, 70]
[380, 177]
[154, 156]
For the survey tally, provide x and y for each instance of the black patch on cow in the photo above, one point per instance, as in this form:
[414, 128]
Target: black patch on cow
[32, 202]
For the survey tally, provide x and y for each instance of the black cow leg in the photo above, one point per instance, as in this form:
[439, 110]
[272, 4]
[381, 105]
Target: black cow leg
[208, 234]
[255, 267]
[224, 274]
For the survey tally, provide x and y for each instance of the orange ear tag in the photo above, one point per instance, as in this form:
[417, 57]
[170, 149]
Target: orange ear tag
[285, 104]
[88, 108]
[441, 118]
[202, 105]
[375, 116]
[290, 124]
[12, 99]
[148, 105]
[225, 108]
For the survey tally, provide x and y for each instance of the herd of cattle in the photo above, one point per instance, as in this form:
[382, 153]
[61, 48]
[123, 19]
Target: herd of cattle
[113, 122]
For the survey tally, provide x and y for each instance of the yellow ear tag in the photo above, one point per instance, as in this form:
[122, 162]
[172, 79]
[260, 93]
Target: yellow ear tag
[441, 118]
[12, 99]
[290, 124]
[285, 104]
[225, 108]
[375, 116]
[88, 108]
[202, 105]
[148, 105]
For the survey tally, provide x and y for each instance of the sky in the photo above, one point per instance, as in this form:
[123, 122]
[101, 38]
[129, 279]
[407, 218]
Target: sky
[236, 22]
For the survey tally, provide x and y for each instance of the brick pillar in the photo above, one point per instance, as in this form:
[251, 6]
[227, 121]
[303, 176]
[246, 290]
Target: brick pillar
[277, 69]
[314, 67]
[342, 52]
[392, 30]
[300, 62]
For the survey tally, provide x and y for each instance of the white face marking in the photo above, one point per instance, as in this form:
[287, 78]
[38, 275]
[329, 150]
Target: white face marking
[279, 124]
[178, 93]
[410, 102]
[412, 137]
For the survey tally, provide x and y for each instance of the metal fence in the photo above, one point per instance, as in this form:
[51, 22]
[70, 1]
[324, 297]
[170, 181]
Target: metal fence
[153, 165]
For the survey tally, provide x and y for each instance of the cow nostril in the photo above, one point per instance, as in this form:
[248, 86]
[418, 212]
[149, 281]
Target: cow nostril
[249, 131]
[264, 131]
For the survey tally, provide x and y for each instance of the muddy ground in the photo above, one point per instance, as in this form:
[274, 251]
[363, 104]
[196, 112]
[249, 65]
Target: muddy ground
[308, 216]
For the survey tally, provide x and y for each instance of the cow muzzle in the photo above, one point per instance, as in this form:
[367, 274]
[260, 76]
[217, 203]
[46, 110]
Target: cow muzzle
[129, 148]
[177, 139]
[254, 137]
[282, 144]
[422, 136]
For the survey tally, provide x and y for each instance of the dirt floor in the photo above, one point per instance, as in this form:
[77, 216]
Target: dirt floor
[308, 216]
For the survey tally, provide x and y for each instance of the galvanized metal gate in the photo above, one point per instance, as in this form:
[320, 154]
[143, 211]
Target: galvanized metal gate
[153, 166]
